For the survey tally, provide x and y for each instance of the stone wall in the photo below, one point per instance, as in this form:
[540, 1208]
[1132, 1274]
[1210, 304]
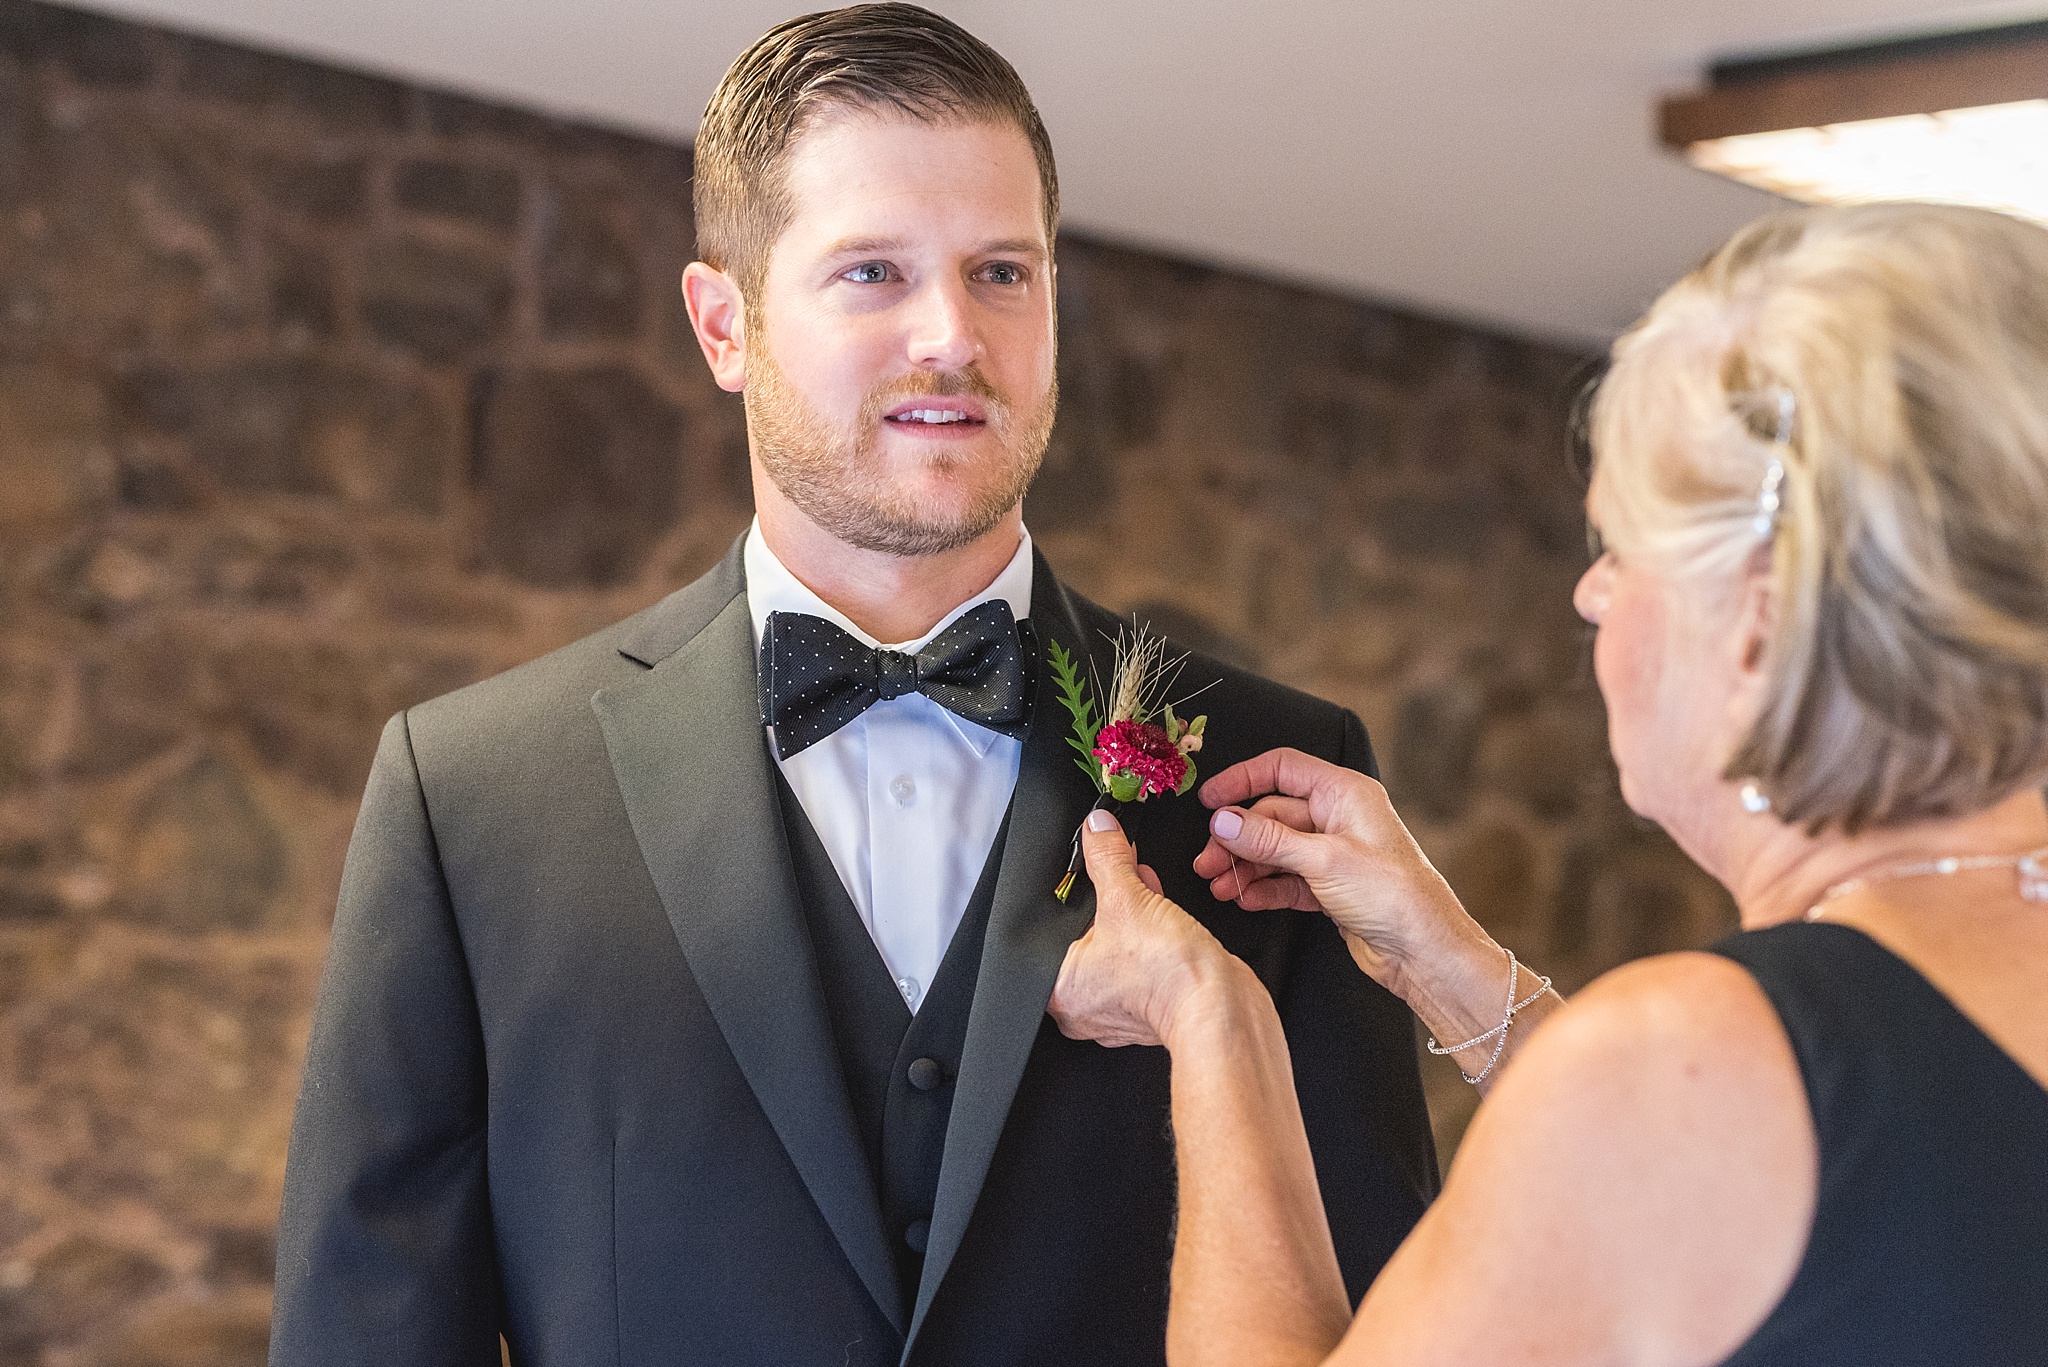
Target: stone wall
[322, 394]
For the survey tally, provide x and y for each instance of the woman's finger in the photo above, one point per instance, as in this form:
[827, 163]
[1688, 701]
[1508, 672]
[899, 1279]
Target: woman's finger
[1291, 811]
[1150, 878]
[1279, 892]
[1277, 771]
[1248, 835]
[1214, 861]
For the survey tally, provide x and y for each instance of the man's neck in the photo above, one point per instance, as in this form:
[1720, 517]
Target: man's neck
[890, 597]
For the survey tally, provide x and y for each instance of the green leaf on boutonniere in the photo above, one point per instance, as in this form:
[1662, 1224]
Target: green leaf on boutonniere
[1126, 787]
[1066, 673]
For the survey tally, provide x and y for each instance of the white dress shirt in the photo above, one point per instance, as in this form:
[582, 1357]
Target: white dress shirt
[907, 797]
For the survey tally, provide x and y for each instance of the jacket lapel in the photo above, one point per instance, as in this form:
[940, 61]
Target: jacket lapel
[1029, 931]
[687, 750]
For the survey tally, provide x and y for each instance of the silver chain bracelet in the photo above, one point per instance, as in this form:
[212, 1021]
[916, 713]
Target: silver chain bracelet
[1499, 1033]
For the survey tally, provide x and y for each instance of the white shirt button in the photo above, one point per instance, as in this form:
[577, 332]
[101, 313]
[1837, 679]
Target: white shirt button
[904, 789]
[909, 987]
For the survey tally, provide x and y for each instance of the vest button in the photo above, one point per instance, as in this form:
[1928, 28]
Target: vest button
[916, 1234]
[926, 1073]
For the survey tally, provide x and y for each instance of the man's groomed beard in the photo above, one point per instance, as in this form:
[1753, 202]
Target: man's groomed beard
[838, 480]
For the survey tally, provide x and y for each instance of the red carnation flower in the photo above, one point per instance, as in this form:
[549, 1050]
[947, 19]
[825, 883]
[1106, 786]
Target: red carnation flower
[1132, 747]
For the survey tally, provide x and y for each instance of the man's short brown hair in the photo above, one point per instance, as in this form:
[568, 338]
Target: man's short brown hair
[894, 57]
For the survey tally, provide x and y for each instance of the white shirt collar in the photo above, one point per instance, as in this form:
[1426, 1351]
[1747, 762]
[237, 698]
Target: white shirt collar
[772, 588]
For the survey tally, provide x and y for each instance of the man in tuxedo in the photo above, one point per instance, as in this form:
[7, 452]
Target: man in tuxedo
[687, 994]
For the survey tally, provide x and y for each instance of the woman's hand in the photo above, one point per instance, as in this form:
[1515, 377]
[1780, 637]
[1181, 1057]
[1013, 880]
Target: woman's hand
[1317, 837]
[1144, 965]
[1313, 836]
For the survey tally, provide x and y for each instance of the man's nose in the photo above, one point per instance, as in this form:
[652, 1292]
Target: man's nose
[942, 330]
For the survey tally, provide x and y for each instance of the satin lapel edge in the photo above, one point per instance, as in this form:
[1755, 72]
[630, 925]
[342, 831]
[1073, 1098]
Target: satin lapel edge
[1028, 933]
[687, 752]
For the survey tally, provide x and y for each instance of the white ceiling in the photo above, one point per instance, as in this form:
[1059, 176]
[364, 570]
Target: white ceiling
[1490, 160]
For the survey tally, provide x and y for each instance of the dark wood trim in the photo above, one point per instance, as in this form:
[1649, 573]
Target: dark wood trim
[1923, 84]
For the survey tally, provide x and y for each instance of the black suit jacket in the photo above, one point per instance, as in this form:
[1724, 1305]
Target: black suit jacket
[571, 1078]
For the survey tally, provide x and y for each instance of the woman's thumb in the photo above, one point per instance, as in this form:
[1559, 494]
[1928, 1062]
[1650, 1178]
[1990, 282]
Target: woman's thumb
[1263, 840]
[1110, 857]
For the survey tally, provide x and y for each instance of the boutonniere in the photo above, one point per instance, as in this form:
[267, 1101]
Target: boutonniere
[1137, 747]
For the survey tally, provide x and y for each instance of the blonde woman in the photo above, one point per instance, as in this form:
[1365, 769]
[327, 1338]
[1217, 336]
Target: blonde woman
[1821, 476]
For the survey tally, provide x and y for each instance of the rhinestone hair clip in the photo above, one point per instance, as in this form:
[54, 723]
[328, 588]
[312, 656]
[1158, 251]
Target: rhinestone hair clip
[1768, 499]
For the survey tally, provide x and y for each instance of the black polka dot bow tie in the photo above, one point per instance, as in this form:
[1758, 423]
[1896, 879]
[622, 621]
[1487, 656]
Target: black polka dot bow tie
[815, 678]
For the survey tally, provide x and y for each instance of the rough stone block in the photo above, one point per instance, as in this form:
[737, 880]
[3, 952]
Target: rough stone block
[79, 1283]
[590, 280]
[1435, 741]
[133, 239]
[331, 99]
[313, 710]
[168, 1079]
[1628, 891]
[324, 187]
[302, 291]
[1336, 437]
[450, 115]
[54, 446]
[204, 855]
[89, 48]
[367, 436]
[1075, 482]
[578, 474]
[436, 302]
[195, 1336]
[16, 110]
[1400, 349]
[1552, 760]
[1456, 524]
[137, 697]
[484, 195]
[1498, 874]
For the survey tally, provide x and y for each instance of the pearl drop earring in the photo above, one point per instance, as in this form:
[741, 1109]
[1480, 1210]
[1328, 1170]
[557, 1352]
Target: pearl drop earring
[1754, 799]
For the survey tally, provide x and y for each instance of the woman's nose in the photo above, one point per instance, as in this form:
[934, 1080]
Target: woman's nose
[1594, 589]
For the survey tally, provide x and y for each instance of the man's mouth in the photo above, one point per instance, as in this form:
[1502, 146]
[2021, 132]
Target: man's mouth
[955, 414]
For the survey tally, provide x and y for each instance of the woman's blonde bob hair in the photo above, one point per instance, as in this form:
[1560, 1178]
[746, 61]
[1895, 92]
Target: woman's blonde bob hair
[1908, 665]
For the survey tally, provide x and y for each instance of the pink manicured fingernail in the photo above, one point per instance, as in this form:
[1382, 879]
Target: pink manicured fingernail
[1226, 824]
[1099, 820]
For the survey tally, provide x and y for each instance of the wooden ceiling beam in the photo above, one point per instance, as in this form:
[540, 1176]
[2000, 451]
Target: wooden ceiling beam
[1880, 88]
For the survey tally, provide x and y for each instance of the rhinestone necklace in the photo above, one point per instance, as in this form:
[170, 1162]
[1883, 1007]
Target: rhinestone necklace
[2032, 867]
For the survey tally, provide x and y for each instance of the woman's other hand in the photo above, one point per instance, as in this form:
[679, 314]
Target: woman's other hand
[1143, 964]
[1313, 836]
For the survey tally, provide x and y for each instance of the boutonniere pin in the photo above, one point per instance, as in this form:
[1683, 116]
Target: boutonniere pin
[1137, 747]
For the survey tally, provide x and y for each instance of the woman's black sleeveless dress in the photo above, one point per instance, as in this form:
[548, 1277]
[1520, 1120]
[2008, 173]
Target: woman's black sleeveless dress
[1930, 1239]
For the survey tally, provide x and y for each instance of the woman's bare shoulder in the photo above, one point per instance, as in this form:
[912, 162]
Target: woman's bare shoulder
[1646, 1161]
[1706, 1007]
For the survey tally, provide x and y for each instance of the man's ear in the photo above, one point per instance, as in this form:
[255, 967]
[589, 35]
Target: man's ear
[718, 313]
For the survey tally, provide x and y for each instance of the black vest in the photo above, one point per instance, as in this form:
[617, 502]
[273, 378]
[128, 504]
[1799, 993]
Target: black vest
[899, 1068]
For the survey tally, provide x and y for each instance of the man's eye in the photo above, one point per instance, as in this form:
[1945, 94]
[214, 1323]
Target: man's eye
[1004, 273]
[868, 273]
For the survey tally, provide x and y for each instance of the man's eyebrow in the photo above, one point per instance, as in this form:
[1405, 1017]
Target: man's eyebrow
[883, 246]
[1014, 246]
[857, 246]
